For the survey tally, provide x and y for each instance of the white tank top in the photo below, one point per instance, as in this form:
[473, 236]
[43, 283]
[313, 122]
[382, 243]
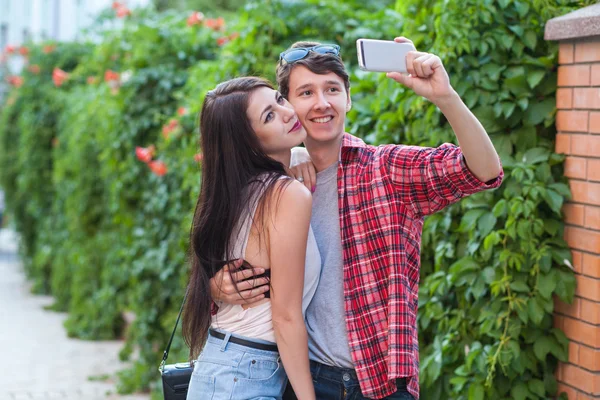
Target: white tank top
[256, 322]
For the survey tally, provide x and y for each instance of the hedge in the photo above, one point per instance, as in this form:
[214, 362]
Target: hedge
[99, 161]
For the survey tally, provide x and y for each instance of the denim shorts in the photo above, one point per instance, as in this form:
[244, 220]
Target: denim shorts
[229, 371]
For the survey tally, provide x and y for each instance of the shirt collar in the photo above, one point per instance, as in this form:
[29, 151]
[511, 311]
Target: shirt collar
[352, 141]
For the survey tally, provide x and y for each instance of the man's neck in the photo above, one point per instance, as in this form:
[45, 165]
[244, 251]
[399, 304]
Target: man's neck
[324, 154]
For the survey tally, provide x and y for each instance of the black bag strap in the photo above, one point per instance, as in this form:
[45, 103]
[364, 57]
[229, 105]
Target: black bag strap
[166, 352]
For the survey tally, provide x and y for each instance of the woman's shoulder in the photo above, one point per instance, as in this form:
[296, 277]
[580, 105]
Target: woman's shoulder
[294, 191]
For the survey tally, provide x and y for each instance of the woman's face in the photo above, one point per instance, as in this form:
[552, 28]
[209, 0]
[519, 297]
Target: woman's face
[274, 121]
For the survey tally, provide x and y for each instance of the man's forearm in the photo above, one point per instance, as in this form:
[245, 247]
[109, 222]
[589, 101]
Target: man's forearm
[480, 154]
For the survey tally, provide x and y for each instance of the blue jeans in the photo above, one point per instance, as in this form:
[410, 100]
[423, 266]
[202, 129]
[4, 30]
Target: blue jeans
[332, 383]
[229, 371]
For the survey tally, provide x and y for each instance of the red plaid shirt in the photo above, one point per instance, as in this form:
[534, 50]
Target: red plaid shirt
[383, 194]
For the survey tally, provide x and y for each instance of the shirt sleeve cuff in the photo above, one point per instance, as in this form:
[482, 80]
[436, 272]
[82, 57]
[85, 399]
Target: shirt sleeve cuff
[464, 180]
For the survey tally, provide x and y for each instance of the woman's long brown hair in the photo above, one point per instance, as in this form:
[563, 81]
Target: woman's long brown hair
[232, 161]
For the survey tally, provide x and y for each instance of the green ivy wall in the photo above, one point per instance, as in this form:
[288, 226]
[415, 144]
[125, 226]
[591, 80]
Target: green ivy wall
[99, 161]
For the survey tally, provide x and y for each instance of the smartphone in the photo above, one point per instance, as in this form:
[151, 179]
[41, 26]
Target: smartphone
[382, 55]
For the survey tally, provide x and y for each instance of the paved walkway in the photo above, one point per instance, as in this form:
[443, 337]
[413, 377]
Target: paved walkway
[38, 360]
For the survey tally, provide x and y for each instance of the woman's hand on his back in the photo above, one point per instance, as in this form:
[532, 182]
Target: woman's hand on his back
[306, 173]
[302, 168]
[249, 289]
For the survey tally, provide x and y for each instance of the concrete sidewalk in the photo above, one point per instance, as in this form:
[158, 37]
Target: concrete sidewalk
[38, 360]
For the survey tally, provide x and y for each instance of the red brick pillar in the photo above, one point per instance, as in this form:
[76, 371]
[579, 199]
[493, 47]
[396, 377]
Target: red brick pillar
[578, 136]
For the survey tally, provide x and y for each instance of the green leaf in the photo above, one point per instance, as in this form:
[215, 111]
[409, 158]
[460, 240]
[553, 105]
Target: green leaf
[561, 188]
[519, 392]
[535, 77]
[537, 386]
[522, 8]
[468, 221]
[536, 155]
[523, 103]
[519, 286]
[517, 29]
[499, 209]
[476, 392]
[518, 86]
[489, 275]
[485, 115]
[508, 108]
[542, 346]
[565, 285]
[546, 284]
[486, 223]
[530, 39]
[539, 111]
[554, 200]
[536, 312]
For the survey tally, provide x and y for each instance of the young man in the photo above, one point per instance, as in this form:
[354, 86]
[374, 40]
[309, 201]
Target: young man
[368, 208]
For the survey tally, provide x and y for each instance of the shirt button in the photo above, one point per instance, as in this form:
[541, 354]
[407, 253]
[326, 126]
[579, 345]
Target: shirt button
[346, 377]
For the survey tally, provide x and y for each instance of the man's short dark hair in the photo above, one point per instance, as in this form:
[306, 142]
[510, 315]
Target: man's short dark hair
[317, 63]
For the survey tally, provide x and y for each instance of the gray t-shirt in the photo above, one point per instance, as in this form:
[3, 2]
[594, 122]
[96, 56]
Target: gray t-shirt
[325, 316]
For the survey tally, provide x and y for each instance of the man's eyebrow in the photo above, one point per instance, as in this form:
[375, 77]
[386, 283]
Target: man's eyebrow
[305, 86]
[308, 85]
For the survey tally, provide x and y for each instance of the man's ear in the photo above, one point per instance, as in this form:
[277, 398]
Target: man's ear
[348, 102]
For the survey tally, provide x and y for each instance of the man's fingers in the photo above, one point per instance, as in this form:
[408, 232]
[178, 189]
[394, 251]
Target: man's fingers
[255, 292]
[401, 78]
[246, 273]
[418, 65]
[402, 39]
[252, 283]
[428, 65]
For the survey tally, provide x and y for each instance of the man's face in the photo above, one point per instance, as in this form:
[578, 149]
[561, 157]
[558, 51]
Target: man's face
[321, 102]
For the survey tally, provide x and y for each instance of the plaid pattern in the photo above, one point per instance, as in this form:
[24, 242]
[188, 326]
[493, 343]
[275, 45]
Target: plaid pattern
[383, 194]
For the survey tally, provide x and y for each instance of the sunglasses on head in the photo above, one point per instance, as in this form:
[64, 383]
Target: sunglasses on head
[298, 53]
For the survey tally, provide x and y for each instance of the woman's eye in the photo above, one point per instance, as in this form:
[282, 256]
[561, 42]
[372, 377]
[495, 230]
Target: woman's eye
[333, 89]
[269, 117]
[306, 93]
[280, 100]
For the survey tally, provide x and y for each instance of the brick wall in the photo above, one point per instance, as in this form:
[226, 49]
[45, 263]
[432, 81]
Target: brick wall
[578, 126]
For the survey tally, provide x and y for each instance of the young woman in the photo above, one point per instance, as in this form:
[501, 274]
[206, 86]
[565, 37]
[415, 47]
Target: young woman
[249, 208]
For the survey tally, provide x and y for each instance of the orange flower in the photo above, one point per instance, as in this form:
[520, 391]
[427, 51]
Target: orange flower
[116, 5]
[222, 40]
[91, 80]
[14, 80]
[49, 48]
[169, 128]
[198, 157]
[234, 36]
[195, 18]
[158, 167]
[34, 69]
[216, 24]
[123, 12]
[59, 77]
[10, 49]
[110, 75]
[145, 154]
[24, 51]
[181, 111]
